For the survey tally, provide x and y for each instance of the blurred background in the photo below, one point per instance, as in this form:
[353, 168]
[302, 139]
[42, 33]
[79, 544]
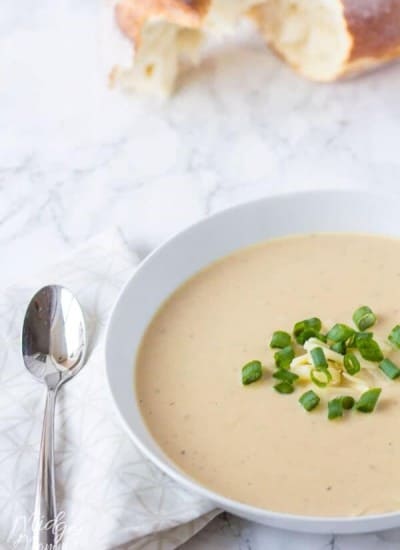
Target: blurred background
[76, 157]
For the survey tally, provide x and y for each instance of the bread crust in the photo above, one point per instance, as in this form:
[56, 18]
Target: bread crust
[374, 28]
[132, 15]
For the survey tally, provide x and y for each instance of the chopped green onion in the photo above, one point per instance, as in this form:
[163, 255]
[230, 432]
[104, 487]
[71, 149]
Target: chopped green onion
[363, 336]
[284, 357]
[394, 336]
[368, 400]
[368, 348]
[364, 318]
[320, 377]
[310, 333]
[284, 387]
[335, 408]
[313, 323]
[304, 336]
[352, 341]
[337, 405]
[347, 402]
[339, 347]
[285, 375]
[340, 333]
[351, 363]
[318, 358]
[391, 370]
[251, 372]
[309, 400]
[280, 339]
[303, 330]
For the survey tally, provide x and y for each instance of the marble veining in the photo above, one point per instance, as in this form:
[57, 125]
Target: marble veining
[230, 533]
[76, 158]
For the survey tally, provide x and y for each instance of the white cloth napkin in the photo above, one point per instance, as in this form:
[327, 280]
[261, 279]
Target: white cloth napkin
[112, 496]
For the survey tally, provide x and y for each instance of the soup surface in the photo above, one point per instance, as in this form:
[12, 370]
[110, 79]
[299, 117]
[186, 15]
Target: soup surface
[251, 443]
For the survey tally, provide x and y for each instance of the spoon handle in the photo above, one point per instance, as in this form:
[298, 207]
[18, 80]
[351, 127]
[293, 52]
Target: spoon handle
[45, 513]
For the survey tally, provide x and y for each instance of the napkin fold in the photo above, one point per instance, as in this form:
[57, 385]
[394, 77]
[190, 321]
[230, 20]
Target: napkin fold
[112, 496]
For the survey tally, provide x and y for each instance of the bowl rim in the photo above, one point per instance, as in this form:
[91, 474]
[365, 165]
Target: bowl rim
[329, 523]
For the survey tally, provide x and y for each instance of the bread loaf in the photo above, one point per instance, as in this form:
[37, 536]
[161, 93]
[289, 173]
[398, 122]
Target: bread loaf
[322, 39]
[327, 39]
[165, 33]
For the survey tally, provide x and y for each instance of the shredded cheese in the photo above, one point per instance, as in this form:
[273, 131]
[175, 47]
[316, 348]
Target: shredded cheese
[360, 382]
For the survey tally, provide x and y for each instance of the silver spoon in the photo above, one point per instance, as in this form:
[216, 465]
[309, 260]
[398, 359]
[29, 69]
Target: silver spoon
[53, 347]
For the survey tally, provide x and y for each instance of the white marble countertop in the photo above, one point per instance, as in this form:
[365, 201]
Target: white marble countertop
[76, 158]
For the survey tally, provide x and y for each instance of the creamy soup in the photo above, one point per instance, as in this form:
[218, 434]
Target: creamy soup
[251, 443]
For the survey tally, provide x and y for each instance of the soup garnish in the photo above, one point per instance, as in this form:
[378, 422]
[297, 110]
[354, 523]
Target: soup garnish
[251, 372]
[368, 400]
[285, 375]
[309, 400]
[318, 358]
[348, 402]
[280, 339]
[284, 357]
[335, 408]
[339, 333]
[327, 361]
[368, 347]
[284, 387]
[394, 336]
[391, 370]
[303, 330]
[339, 347]
[351, 363]
[364, 318]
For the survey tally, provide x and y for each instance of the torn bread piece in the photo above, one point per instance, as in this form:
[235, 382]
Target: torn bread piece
[166, 33]
[327, 39]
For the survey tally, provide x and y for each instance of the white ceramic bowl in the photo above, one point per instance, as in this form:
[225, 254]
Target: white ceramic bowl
[188, 252]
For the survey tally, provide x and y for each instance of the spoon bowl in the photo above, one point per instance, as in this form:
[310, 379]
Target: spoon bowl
[54, 335]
